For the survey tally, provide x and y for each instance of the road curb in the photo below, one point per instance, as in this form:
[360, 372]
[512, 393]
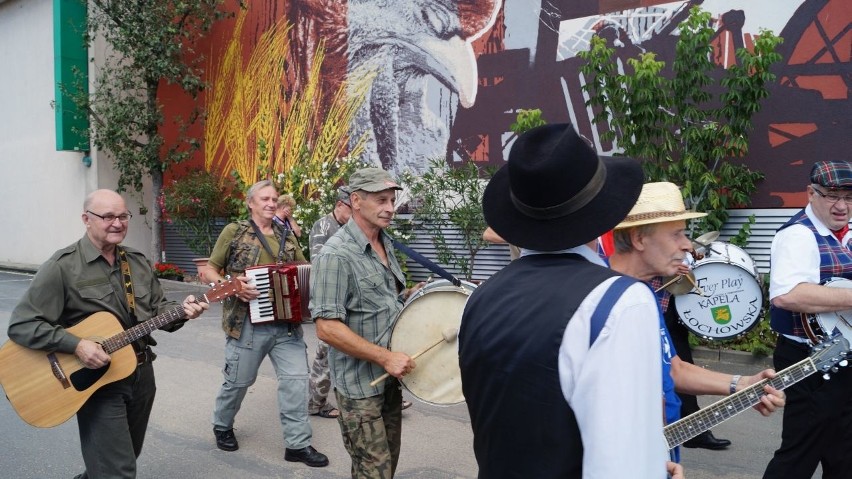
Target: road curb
[705, 354]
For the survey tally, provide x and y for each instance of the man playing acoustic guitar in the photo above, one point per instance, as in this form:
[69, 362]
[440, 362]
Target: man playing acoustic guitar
[94, 275]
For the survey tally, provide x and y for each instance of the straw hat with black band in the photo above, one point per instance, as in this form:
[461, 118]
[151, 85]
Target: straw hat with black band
[659, 202]
[556, 193]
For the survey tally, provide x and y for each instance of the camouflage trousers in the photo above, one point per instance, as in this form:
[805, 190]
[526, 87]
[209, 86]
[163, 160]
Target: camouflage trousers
[319, 384]
[372, 431]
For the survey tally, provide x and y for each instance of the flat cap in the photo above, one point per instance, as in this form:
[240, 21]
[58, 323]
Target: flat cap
[832, 174]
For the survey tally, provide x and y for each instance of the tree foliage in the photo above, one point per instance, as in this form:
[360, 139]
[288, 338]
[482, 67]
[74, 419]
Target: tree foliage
[447, 198]
[678, 122]
[689, 124]
[148, 44]
[194, 202]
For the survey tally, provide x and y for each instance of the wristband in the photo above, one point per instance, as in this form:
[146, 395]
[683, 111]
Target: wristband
[732, 388]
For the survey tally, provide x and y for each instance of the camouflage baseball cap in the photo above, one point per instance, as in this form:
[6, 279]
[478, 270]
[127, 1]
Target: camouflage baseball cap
[832, 174]
[372, 180]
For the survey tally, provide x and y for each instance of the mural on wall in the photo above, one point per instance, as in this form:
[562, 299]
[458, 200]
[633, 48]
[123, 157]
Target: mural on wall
[419, 79]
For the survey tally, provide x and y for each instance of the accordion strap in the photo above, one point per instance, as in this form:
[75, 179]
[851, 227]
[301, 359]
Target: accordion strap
[280, 258]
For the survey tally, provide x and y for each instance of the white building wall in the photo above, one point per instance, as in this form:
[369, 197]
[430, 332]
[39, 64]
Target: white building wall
[41, 189]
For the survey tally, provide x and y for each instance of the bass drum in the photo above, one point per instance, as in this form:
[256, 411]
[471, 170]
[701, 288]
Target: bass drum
[426, 315]
[728, 300]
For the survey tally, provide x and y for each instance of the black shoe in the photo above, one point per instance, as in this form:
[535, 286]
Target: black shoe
[225, 440]
[706, 440]
[308, 455]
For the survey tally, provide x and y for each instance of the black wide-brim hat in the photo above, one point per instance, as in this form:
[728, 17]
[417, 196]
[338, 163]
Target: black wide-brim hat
[556, 193]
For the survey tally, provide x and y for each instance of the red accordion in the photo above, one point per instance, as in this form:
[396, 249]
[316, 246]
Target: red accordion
[284, 292]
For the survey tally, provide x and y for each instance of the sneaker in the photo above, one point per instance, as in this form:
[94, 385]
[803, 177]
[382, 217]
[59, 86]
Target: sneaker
[226, 440]
[308, 455]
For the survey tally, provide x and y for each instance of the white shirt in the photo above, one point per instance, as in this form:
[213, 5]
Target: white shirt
[615, 387]
[794, 255]
[795, 259]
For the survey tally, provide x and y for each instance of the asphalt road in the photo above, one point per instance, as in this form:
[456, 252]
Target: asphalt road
[436, 440]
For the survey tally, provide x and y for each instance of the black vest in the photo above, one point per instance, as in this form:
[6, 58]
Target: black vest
[511, 331]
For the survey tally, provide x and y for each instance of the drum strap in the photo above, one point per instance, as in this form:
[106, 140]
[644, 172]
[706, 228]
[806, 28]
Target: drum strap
[616, 289]
[427, 263]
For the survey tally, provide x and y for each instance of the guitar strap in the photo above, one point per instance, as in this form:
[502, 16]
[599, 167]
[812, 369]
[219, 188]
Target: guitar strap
[138, 345]
[128, 283]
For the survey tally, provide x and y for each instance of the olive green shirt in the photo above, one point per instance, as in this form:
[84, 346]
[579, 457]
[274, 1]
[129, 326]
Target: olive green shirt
[238, 248]
[77, 282]
[349, 283]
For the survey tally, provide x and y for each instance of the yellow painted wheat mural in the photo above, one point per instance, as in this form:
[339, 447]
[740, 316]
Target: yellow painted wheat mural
[254, 130]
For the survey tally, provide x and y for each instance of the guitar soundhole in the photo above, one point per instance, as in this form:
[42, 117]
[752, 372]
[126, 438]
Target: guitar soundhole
[84, 378]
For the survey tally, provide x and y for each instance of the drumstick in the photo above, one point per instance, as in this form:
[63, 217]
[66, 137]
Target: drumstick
[697, 289]
[448, 335]
[671, 281]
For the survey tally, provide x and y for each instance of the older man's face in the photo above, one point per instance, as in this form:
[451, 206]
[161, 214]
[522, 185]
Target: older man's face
[664, 249]
[830, 206]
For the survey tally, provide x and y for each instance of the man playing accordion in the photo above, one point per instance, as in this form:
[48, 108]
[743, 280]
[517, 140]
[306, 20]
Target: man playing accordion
[241, 245]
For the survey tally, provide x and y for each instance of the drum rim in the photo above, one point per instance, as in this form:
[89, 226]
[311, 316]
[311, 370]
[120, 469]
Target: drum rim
[438, 286]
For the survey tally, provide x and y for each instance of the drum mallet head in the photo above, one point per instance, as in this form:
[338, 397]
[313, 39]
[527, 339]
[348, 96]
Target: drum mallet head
[448, 335]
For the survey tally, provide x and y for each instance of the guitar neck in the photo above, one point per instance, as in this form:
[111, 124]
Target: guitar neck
[143, 329]
[685, 429]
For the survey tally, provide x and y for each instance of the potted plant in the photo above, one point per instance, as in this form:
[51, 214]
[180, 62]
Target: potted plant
[194, 202]
[168, 271]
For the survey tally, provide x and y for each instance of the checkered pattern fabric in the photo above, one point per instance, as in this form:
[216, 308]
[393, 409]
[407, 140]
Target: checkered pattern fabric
[663, 296]
[832, 174]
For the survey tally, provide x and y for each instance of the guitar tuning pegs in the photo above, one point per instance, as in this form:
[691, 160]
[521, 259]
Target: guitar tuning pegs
[843, 363]
[834, 369]
[826, 376]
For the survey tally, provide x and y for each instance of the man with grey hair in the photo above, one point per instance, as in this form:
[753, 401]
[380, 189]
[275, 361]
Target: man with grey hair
[651, 241]
[243, 244]
[357, 291]
[320, 382]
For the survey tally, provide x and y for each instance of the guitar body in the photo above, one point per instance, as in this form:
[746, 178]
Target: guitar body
[46, 389]
[822, 325]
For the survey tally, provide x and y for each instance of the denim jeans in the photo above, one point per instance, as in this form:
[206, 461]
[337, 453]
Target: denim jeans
[286, 348]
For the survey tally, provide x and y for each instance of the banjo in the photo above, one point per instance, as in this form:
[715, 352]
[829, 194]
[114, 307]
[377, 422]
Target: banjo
[819, 326]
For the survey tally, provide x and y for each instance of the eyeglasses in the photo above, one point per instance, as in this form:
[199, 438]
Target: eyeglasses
[832, 198]
[109, 217]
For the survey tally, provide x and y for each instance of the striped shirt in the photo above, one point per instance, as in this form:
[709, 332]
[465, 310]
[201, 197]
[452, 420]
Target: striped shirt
[349, 283]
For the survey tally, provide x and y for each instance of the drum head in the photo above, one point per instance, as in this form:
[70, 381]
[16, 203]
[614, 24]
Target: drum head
[437, 307]
[730, 306]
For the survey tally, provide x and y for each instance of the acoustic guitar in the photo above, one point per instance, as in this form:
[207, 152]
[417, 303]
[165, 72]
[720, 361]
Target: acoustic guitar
[825, 357]
[46, 389]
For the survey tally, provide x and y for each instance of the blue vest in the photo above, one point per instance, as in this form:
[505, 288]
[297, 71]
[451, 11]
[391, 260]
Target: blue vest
[835, 261]
[509, 342]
